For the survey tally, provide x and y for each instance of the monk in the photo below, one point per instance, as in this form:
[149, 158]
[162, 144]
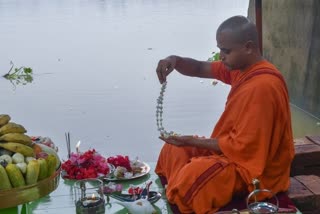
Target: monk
[252, 139]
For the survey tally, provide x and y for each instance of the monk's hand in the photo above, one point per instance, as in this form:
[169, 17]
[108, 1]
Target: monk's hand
[165, 67]
[184, 140]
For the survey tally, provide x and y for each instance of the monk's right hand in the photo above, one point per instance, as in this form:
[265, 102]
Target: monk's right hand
[184, 140]
[165, 67]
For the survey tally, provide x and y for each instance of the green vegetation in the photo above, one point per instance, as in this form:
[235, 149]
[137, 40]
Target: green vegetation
[19, 76]
[215, 57]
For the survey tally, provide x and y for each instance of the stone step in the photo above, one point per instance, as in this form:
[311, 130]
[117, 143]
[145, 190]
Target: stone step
[307, 157]
[304, 191]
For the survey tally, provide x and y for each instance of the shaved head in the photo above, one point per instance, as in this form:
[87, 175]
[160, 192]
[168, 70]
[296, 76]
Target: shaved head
[241, 30]
[237, 39]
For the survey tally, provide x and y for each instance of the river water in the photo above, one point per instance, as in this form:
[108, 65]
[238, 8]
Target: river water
[94, 70]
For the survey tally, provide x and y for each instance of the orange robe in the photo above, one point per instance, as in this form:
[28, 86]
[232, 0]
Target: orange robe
[254, 134]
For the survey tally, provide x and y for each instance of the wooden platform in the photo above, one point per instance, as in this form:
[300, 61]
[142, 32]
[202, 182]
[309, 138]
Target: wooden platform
[305, 193]
[305, 175]
[307, 158]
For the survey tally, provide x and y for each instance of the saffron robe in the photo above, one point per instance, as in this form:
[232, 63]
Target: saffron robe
[254, 134]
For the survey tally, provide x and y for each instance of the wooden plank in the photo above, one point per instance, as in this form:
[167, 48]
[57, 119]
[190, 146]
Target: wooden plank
[302, 141]
[302, 197]
[307, 158]
[314, 139]
[312, 182]
[307, 148]
[297, 189]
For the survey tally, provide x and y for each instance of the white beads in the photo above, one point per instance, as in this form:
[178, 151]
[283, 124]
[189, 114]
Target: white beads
[159, 113]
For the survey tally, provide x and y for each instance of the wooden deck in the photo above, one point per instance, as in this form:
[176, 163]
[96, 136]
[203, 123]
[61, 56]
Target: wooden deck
[305, 171]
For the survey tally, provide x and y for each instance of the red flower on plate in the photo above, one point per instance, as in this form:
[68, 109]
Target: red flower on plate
[120, 160]
[87, 165]
[135, 190]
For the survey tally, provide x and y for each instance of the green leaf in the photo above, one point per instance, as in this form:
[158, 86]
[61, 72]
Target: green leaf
[16, 76]
[215, 57]
[27, 70]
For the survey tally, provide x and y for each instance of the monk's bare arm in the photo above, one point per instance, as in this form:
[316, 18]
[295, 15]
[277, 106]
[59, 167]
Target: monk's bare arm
[206, 143]
[185, 66]
[193, 68]
[188, 140]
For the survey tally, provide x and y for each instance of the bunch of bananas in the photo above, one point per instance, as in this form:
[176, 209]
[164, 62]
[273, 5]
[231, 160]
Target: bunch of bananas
[22, 162]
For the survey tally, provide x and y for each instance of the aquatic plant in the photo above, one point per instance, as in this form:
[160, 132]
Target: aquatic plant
[215, 57]
[17, 76]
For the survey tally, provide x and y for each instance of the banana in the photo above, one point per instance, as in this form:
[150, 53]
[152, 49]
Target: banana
[4, 119]
[43, 169]
[51, 151]
[51, 164]
[17, 138]
[5, 182]
[32, 174]
[17, 147]
[15, 175]
[12, 128]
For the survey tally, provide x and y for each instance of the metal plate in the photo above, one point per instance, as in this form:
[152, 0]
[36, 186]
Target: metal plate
[145, 171]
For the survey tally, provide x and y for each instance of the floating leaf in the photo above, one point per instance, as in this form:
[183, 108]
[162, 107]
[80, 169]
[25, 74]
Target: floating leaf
[16, 76]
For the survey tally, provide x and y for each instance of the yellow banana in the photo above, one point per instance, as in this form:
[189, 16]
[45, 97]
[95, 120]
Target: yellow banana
[17, 147]
[12, 128]
[17, 138]
[4, 119]
[5, 182]
[51, 164]
[32, 173]
[43, 169]
[15, 175]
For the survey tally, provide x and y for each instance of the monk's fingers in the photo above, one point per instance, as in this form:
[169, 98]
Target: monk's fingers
[170, 141]
[162, 138]
[161, 71]
[165, 67]
[169, 69]
[166, 138]
[174, 138]
[181, 137]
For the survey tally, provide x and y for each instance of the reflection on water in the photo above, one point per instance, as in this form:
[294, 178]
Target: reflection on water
[304, 123]
[94, 69]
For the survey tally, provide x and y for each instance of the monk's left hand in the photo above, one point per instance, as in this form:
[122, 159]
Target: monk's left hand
[184, 140]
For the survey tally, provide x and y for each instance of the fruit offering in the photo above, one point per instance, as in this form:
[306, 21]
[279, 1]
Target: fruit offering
[22, 162]
[45, 141]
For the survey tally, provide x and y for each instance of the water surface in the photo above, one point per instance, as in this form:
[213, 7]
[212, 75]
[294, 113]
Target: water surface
[94, 70]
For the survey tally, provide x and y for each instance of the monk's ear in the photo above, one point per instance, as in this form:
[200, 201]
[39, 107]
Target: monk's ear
[249, 47]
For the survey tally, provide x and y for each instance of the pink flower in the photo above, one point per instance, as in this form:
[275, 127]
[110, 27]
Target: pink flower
[87, 165]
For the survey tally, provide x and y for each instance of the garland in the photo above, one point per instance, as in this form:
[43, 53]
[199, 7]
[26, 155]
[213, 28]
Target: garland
[159, 113]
